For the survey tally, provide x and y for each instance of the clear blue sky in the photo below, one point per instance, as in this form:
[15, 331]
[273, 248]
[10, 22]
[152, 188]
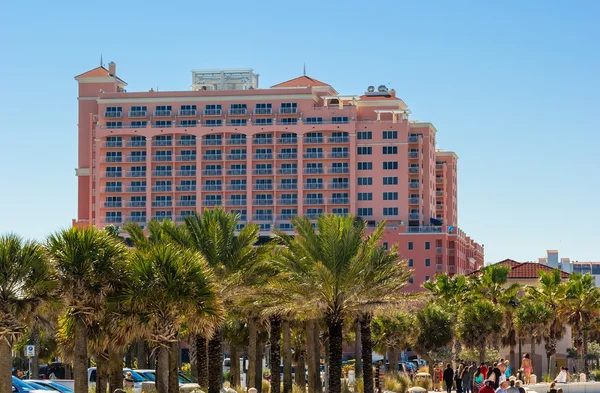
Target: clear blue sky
[512, 87]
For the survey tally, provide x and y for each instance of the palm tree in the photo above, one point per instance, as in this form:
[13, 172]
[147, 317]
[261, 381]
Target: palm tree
[334, 270]
[170, 287]
[88, 262]
[235, 332]
[478, 321]
[581, 307]
[27, 281]
[532, 319]
[391, 334]
[433, 330]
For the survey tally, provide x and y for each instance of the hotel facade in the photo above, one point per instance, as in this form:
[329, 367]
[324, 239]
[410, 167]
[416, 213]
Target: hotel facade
[296, 148]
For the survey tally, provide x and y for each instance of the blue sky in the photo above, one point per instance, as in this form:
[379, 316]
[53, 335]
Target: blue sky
[512, 87]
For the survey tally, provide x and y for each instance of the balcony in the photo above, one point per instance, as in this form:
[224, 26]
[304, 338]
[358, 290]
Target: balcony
[313, 186]
[314, 201]
[313, 216]
[439, 179]
[413, 154]
[137, 143]
[236, 187]
[286, 216]
[262, 141]
[212, 172]
[162, 158]
[439, 166]
[212, 202]
[439, 193]
[451, 252]
[263, 171]
[236, 172]
[212, 124]
[112, 220]
[338, 186]
[113, 189]
[313, 171]
[313, 139]
[113, 144]
[413, 169]
[212, 187]
[236, 141]
[413, 139]
[212, 157]
[162, 189]
[185, 187]
[424, 229]
[137, 219]
[263, 156]
[138, 113]
[263, 111]
[287, 141]
[339, 139]
[414, 216]
[438, 250]
[212, 112]
[262, 217]
[162, 173]
[236, 202]
[339, 201]
[188, 112]
[167, 203]
[343, 169]
[212, 142]
[163, 113]
[113, 159]
[113, 204]
[438, 266]
[136, 174]
[135, 203]
[288, 111]
[262, 202]
[135, 189]
[238, 111]
[186, 202]
[113, 174]
[186, 157]
[236, 157]
[287, 156]
[186, 172]
[339, 154]
[319, 154]
[287, 186]
[288, 171]
[413, 201]
[162, 218]
[414, 186]
[439, 207]
[136, 158]
[186, 142]
[287, 201]
[162, 142]
[114, 115]
[262, 187]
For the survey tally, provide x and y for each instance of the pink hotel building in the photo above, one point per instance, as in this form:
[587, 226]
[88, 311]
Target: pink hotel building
[297, 148]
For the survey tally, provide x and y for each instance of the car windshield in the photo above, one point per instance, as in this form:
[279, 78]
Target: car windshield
[38, 386]
[148, 375]
[187, 378]
[20, 385]
[59, 387]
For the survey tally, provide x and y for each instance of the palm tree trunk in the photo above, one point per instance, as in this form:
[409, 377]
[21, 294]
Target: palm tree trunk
[317, 358]
[550, 346]
[513, 360]
[532, 353]
[215, 362]
[584, 351]
[310, 355]
[260, 354]
[357, 354]
[579, 345]
[193, 358]
[275, 354]
[141, 353]
[5, 366]
[80, 358]
[115, 370]
[335, 325]
[367, 352]
[252, 340]
[202, 360]
[162, 370]
[234, 369]
[287, 357]
[35, 360]
[102, 372]
[482, 348]
[300, 379]
[173, 362]
[393, 357]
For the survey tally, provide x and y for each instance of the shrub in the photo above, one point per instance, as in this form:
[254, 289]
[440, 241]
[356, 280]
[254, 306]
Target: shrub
[403, 383]
[239, 389]
[226, 375]
[424, 383]
[595, 374]
[345, 386]
[359, 385]
[266, 386]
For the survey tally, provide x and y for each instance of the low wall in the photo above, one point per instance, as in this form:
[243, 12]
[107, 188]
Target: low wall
[574, 387]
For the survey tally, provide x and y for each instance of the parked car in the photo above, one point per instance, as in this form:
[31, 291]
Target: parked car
[53, 385]
[68, 383]
[186, 383]
[19, 386]
[137, 378]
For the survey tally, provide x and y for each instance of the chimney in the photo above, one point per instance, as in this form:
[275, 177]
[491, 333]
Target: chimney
[393, 93]
[112, 68]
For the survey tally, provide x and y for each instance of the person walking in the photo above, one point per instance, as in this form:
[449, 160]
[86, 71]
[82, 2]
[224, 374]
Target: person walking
[512, 388]
[436, 378]
[518, 386]
[467, 379]
[503, 387]
[128, 380]
[448, 377]
[527, 368]
[487, 387]
[477, 380]
[458, 377]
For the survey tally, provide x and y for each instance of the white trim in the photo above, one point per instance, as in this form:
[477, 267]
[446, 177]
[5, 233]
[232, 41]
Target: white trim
[101, 79]
[145, 100]
[82, 171]
[418, 124]
[399, 103]
[87, 98]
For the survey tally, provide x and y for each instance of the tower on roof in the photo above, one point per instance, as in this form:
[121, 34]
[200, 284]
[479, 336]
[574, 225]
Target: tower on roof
[235, 79]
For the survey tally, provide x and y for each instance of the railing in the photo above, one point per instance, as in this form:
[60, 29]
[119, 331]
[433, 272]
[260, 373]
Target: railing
[212, 172]
[236, 187]
[163, 113]
[236, 202]
[262, 187]
[287, 141]
[113, 204]
[162, 158]
[112, 219]
[287, 201]
[186, 125]
[113, 126]
[288, 171]
[186, 142]
[137, 219]
[141, 143]
[438, 266]
[439, 166]
[136, 173]
[238, 157]
[135, 203]
[413, 154]
[113, 189]
[162, 218]
[262, 141]
[288, 123]
[113, 144]
[424, 229]
[136, 158]
[439, 193]
[212, 112]
[168, 203]
[313, 216]
[238, 111]
[187, 112]
[263, 171]
[413, 201]
[413, 185]
[212, 142]
[158, 125]
[342, 185]
[339, 201]
[438, 250]
[314, 201]
[162, 142]
[263, 156]
[439, 207]
[313, 186]
[413, 169]
[339, 154]
[313, 171]
[235, 123]
[236, 172]
[344, 169]
[212, 202]
[186, 157]
[345, 121]
[414, 216]
[113, 174]
[162, 189]
[113, 159]
[413, 138]
[313, 139]
[288, 110]
[319, 154]
[207, 124]
[186, 202]
[263, 111]
[236, 141]
[286, 216]
[185, 187]
[262, 202]
[135, 189]
[162, 173]
[114, 114]
[212, 187]
[212, 157]
[138, 113]
[262, 217]
[287, 156]
[439, 179]
[287, 186]
[186, 172]
[339, 139]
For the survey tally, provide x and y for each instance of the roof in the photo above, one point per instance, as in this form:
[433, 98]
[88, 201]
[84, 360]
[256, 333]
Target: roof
[98, 72]
[365, 97]
[526, 270]
[301, 81]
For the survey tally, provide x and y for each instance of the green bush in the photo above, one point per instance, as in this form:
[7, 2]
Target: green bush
[595, 374]
[227, 375]
[424, 383]
[402, 382]
[266, 386]
[359, 385]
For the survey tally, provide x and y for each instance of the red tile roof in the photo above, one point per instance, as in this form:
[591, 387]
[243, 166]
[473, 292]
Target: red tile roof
[526, 270]
[301, 81]
[96, 72]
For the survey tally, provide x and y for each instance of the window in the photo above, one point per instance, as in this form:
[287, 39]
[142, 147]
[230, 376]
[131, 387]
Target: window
[188, 123]
[314, 120]
[385, 246]
[263, 122]
[163, 123]
[426, 278]
[113, 111]
[365, 181]
[212, 109]
[138, 124]
[364, 135]
[289, 120]
[365, 196]
[390, 180]
[427, 262]
[340, 211]
[365, 211]
[288, 107]
[213, 122]
[364, 150]
[390, 165]
[390, 196]
[365, 166]
[427, 245]
[410, 261]
[263, 109]
[339, 119]
[390, 134]
[390, 149]
[411, 280]
[114, 124]
[410, 245]
[390, 211]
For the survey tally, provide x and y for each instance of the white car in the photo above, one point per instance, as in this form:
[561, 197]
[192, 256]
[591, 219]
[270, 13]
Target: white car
[137, 379]
[186, 382]
[52, 385]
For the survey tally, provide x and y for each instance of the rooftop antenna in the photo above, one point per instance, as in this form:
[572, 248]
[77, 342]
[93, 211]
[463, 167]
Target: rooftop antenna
[101, 60]
[304, 69]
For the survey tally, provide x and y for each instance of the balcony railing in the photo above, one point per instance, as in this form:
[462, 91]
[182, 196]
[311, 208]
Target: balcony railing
[288, 111]
[237, 157]
[212, 202]
[135, 203]
[262, 202]
[238, 111]
[344, 169]
[212, 187]
[136, 158]
[439, 166]
[212, 112]
[439, 207]
[287, 141]
[262, 141]
[262, 217]
[212, 142]
[413, 138]
[136, 174]
[319, 154]
[413, 201]
[262, 187]
[212, 157]
[186, 157]
[313, 216]
[439, 179]
[212, 124]
[288, 171]
[162, 218]
[186, 142]
[186, 202]
[236, 141]
[137, 219]
[135, 189]
[236, 202]
[138, 113]
[236, 172]
[439, 193]
[162, 142]
[438, 266]
[113, 189]
[113, 204]
[263, 156]
[413, 169]
[162, 173]
[163, 113]
[313, 171]
[188, 112]
[212, 172]
[112, 220]
[414, 216]
[141, 143]
[438, 250]
[339, 154]
[287, 156]
[339, 139]
[339, 201]
[263, 111]
[342, 185]
[186, 172]
[263, 171]
[313, 139]
[162, 158]
[185, 187]
[168, 203]
[113, 174]
[413, 154]
[113, 144]
[286, 216]
[287, 186]
[413, 186]
[314, 201]
[115, 114]
[162, 189]
[313, 186]
[113, 159]
[288, 201]
[424, 229]
[236, 187]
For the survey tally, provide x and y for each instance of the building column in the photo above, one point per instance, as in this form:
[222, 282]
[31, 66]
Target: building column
[148, 179]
